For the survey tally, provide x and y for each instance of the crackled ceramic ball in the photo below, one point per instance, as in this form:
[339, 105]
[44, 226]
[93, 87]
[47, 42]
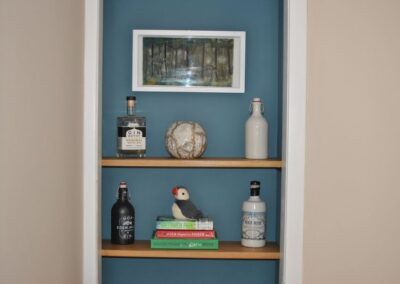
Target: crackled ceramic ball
[185, 140]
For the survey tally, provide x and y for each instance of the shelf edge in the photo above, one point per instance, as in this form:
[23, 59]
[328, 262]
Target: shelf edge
[227, 250]
[191, 163]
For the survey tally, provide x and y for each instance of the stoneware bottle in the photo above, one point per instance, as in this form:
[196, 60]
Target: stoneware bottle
[256, 132]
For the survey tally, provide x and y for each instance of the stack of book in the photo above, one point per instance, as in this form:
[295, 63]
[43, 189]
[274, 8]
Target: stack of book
[171, 233]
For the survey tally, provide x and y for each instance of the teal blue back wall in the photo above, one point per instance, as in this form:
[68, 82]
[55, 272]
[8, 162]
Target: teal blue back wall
[217, 192]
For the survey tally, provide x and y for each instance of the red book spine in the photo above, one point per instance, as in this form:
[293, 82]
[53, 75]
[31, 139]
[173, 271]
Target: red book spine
[185, 234]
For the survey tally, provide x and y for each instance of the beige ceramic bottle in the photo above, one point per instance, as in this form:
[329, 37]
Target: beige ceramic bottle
[256, 132]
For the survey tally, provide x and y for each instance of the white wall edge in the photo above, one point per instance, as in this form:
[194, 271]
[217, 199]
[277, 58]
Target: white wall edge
[91, 142]
[294, 128]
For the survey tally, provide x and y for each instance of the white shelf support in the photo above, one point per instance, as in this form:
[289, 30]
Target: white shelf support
[294, 128]
[91, 142]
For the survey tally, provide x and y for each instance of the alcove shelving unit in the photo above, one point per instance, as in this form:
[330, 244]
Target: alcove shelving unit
[290, 250]
[219, 181]
[227, 249]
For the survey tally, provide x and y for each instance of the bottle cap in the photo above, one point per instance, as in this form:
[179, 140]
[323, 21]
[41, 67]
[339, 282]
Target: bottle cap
[131, 101]
[122, 186]
[254, 183]
[255, 188]
[256, 102]
[123, 190]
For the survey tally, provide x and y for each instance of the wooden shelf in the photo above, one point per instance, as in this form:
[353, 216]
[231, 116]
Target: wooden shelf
[227, 250]
[193, 163]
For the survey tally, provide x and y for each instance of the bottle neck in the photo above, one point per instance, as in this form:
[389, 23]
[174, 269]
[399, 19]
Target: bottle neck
[256, 108]
[123, 195]
[130, 110]
[255, 191]
[130, 107]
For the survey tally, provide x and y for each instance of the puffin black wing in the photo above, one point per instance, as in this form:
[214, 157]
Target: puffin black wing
[188, 209]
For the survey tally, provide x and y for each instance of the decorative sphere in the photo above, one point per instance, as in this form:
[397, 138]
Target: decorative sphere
[185, 140]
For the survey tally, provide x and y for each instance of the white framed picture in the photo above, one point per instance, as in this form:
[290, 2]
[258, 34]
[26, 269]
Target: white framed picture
[188, 61]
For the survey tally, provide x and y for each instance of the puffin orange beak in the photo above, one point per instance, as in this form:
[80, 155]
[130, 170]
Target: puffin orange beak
[175, 191]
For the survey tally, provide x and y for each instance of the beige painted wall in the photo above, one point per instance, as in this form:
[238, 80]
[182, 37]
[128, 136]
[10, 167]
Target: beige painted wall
[352, 198]
[41, 105]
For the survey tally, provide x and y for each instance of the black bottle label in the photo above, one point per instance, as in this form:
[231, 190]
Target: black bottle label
[126, 228]
[123, 131]
[122, 223]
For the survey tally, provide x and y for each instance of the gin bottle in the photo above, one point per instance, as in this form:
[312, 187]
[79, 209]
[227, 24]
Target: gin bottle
[253, 218]
[131, 137]
[122, 218]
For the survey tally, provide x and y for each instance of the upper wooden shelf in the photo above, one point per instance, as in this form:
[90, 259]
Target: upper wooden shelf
[227, 250]
[193, 163]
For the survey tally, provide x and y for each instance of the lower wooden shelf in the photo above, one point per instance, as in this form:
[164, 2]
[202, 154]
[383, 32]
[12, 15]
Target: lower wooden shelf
[227, 250]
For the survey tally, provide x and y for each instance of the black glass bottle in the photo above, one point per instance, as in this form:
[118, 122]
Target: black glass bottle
[123, 218]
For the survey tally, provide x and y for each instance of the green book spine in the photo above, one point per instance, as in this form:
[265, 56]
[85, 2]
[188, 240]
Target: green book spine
[165, 223]
[195, 244]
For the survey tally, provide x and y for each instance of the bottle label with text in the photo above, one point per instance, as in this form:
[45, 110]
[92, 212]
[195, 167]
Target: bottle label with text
[125, 227]
[132, 138]
[253, 225]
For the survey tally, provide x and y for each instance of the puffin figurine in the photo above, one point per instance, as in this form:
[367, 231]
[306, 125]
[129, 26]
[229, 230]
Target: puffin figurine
[183, 208]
